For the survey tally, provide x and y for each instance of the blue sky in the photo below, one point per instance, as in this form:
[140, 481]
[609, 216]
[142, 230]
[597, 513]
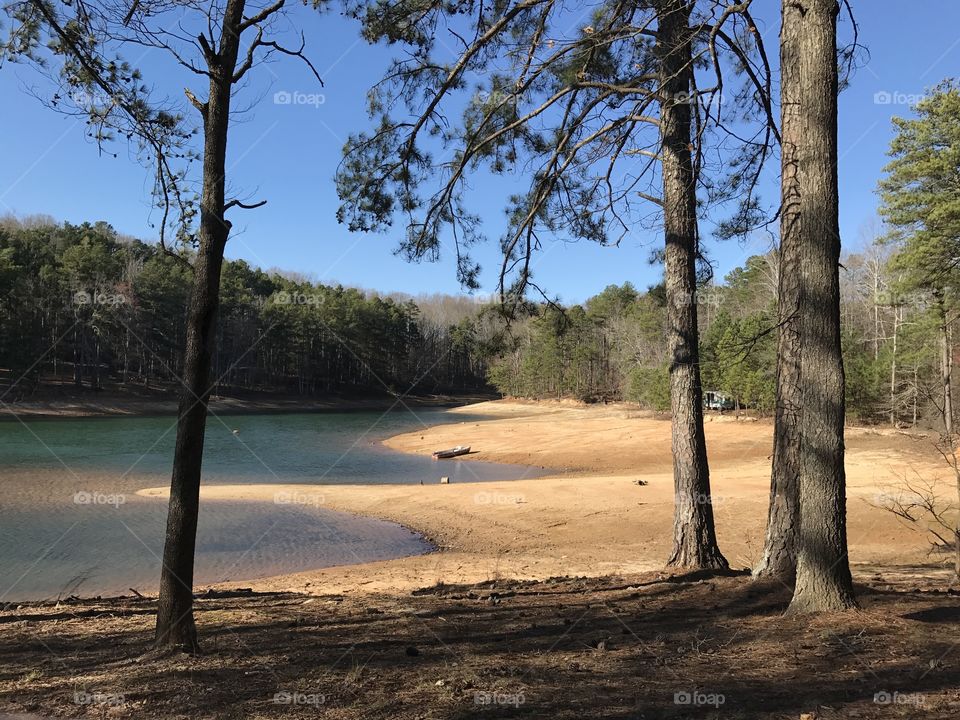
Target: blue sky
[287, 154]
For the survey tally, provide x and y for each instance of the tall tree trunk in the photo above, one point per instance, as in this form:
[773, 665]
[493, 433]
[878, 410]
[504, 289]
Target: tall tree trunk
[893, 369]
[948, 380]
[916, 394]
[950, 450]
[175, 623]
[956, 523]
[876, 314]
[96, 382]
[694, 538]
[78, 355]
[783, 518]
[946, 366]
[823, 579]
[126, 354]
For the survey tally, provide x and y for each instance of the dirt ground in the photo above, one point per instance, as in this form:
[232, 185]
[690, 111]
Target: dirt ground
[545, 600]
[634, 648]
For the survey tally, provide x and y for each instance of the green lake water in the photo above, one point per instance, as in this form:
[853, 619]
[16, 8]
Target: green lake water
[70, 522]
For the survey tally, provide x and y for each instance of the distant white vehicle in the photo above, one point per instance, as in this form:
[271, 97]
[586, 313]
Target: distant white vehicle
[715, 400]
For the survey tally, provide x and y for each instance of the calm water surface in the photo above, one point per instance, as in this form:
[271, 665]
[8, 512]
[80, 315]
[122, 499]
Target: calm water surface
[70, 522]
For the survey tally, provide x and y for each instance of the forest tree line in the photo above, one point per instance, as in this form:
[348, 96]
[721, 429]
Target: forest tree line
[613, 346]
[100, 309]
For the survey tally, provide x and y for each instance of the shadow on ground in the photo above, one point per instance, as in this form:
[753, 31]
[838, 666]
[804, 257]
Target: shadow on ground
[627, 647]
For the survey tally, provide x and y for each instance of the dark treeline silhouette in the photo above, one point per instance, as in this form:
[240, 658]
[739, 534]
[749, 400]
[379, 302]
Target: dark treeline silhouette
[100, 309]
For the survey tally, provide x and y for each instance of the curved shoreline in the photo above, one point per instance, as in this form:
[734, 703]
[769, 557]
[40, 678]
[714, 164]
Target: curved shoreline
[302, 540]
[591, 517]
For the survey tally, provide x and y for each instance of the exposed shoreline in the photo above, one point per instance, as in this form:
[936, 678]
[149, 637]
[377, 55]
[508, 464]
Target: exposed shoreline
[550, 587]
[589, 515]
[591, 518]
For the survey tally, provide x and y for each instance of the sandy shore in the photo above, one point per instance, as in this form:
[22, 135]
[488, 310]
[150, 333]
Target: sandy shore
[593, 518]
[588, 646]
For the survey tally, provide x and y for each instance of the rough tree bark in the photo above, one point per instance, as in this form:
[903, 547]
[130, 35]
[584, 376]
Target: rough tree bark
[946, 364]
[823, 580]
[893, 369]
[175, 623]
[783, 518]
[694, 541]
